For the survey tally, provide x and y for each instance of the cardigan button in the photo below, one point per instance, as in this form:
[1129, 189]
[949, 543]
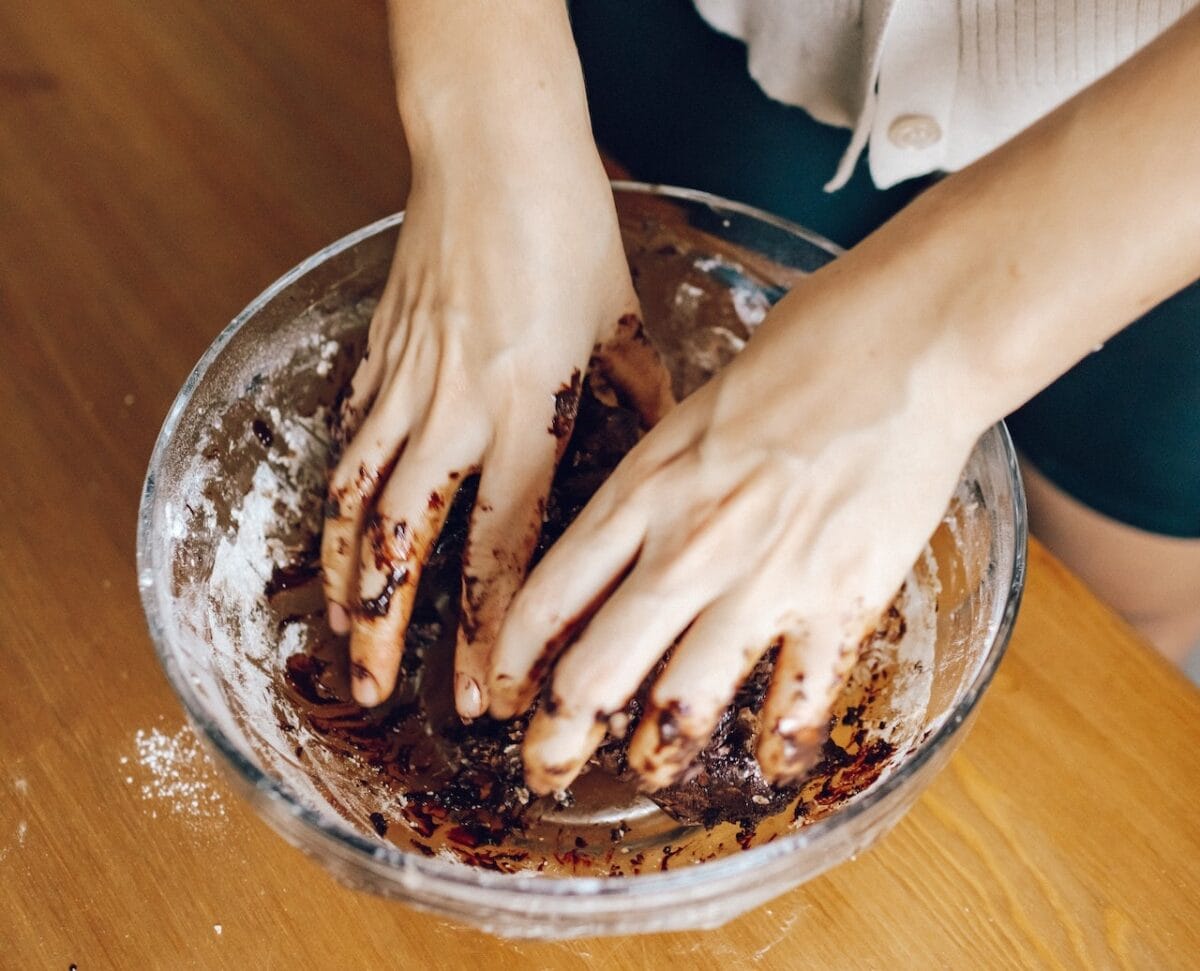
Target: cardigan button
[914, 131]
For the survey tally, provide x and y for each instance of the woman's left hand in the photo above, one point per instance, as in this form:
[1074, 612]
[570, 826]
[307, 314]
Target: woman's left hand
[782, 503]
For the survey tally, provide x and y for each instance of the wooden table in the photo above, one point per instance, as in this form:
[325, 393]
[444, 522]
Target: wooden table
[161, 161]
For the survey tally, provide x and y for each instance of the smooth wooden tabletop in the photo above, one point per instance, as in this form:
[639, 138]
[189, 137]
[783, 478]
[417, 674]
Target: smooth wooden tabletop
[161, 161]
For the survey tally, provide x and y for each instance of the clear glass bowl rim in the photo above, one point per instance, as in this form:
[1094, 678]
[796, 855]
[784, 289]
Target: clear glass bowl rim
[382, 859]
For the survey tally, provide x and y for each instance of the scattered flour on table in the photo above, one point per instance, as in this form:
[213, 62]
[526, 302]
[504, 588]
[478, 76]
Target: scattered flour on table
[21, 787]
[180, 775]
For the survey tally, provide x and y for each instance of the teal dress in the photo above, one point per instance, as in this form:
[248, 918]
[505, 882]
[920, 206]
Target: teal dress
[672, 100]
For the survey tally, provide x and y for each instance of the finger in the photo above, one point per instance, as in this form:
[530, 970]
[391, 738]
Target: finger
[810, 671]
[505, 525]
[353, 407]
[353, 487]
[552, 753]
[688, 699]
[399, 535]
[602, 671]
[573, 579]
[628, 363]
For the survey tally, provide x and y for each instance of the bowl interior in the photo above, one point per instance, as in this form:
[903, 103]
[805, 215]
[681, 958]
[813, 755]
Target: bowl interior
[235, 491]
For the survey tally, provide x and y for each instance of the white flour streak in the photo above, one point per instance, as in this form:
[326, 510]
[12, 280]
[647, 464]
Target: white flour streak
[180, 774]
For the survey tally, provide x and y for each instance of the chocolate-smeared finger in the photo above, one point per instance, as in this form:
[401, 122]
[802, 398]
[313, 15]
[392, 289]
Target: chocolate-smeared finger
[687, 700]
[810, 672]
[556, 749]
[355, 404]
[373, 369]
[505, 525]
[398, 537]
[567, 587]
[602, 670]
[353, 488]
[628, 363]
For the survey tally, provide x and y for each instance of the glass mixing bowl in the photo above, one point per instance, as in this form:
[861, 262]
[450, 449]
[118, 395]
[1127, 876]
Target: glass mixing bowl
[234, 488]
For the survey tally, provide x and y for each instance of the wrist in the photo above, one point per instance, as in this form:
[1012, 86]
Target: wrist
[464, 113]
[495, 82]
[879, 337]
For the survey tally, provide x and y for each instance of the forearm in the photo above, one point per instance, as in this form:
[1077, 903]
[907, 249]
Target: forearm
[1002, 276]
[485, 83]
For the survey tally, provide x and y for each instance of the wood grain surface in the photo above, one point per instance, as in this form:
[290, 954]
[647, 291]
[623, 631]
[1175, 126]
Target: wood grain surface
[161, 161]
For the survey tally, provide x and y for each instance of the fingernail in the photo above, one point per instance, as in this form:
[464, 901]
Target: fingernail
[468, 695]
[363, 686]
[339, 619]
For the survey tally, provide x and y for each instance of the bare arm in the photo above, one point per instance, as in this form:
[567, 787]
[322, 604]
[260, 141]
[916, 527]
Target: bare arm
[491, 91]
[786, 500]
[1010, 271]
[508, 277]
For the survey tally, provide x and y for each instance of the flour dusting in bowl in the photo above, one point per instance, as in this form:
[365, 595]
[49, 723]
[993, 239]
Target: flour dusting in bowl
[407, 801]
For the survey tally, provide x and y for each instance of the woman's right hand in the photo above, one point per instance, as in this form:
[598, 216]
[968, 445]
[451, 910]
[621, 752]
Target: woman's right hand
[509, 277]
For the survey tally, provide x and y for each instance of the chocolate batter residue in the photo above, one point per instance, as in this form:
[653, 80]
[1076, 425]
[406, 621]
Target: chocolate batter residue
[460, 786]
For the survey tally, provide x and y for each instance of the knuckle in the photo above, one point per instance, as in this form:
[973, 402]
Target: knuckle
[536, 613]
